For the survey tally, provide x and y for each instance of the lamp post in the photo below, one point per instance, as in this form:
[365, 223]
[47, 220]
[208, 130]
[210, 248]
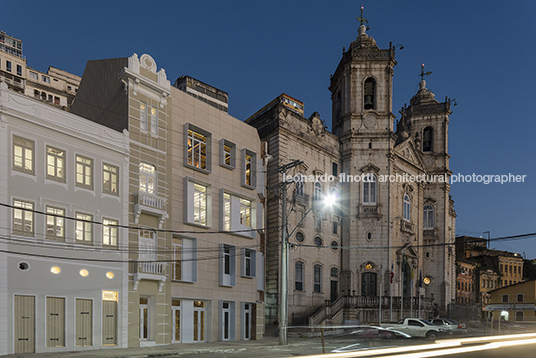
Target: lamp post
[283, 307]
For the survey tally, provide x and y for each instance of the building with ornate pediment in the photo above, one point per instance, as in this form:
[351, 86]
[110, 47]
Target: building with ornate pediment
[399, 219]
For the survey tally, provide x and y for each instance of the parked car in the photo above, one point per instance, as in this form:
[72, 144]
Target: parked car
[456, 327]
[417, 327]
[374, 332]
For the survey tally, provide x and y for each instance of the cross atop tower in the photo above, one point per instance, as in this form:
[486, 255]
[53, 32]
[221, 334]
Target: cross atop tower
[361, 19]
[424, 73]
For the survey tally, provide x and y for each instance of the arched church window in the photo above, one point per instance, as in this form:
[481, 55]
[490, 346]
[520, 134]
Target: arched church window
[369, 93]
[407, 207]
[428, 217]
[318, 191]
[427, 139]
[369, 189]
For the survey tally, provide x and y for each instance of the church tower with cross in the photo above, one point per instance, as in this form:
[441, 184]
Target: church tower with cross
[392, 222]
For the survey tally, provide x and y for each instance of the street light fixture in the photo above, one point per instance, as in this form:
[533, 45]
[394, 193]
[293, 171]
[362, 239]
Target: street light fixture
[324, 203]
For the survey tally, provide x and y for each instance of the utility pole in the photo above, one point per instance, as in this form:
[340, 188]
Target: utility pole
[283, 290]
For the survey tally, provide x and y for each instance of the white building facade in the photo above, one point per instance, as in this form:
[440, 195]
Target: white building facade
[63, 197]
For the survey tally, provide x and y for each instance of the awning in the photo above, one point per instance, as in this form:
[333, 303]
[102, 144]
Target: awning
[510, 307]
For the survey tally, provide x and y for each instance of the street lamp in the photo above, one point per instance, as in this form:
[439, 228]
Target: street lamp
[325, 202]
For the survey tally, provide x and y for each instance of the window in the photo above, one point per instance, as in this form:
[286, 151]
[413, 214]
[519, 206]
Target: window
[23, 218]
[335, 227]
[110, 178]
[369, 92]
[300, 237]
[50, 98]
[198, 203]
[428, 217]
[248, 262]
[84, 228]
[55, 164]
[8, 66]
[335, 170]
[249, 168]
[318, 222]
[406, 207]
[34, 75]
[318, 241]
[298, 276]
[369, 190]
[237, 214]
[227, 154]
[334, 245]
[317, 279]
[198, 148]
[45, 79]
[318, 191]
[227, 265]
[143, 116]
[56, 100]
[427, 139]
[55, 224]
[19, 70]
[334, 272]
[520, 297]
[147, 178]
[505, 298]
[299, 187]
[23, 155]
[110, 232]
[84, 172]
[153, 116]
[184, 259]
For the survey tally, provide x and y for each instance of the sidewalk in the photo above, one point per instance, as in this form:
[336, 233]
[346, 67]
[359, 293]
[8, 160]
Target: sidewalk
[170, 350]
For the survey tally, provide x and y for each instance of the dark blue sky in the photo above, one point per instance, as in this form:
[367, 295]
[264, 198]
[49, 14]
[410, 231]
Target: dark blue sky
[480, 53]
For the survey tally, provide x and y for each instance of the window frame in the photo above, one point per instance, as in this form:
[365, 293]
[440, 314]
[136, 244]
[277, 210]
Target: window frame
[373, 83]
[522, 297]
[187, 250]
[188, 127]
[55, 216]
[299, 271]
[110, 229]
[249, 169]
[147, 175]
[189, 204]
[428, 217]
[406, 208]
[57, 158]
[252, 263]
[227, 262]
[87, 229]
[231, 205]
[143, 117]
[370, 190]
[317, 278]
[23, 217]
[26, 146]
[505, 298]
[430, 141]
[223, 154]
[84, 174]
[114, 183]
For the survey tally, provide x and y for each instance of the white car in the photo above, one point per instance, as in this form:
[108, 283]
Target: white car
[456, 327]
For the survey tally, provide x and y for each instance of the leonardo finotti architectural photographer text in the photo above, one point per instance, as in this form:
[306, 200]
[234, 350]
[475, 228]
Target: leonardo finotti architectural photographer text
[406, 178]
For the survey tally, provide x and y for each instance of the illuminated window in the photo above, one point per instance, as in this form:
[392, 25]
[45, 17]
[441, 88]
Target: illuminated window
[55, 224]
[23, 155]
[198, 148]
[238, 214]
[227, 154]
[143, 116]
[84, 228]
[109, 296]
[147, 178]
[109, 232]
[245, 212]
[55, 164]
[249, 165]
[198, 203]
[84, 172]
[110, 179]
[153, 116]
[23, 217]
[184, 259]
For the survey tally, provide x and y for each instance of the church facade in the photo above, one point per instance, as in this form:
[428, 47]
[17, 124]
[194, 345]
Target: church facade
[389, 240]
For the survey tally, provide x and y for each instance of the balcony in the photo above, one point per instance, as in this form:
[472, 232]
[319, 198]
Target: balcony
[153, 271]
[150, 203]
[407, 227]
[15, 82]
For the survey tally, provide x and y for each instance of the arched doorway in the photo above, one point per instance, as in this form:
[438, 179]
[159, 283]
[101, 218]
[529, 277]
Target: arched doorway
[519, 316]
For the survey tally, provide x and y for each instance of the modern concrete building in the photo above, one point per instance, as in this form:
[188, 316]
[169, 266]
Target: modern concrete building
[390, 220]
[63, 199]
[217, 220]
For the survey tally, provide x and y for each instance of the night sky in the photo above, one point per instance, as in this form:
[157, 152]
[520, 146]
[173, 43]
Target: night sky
[480, 54]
